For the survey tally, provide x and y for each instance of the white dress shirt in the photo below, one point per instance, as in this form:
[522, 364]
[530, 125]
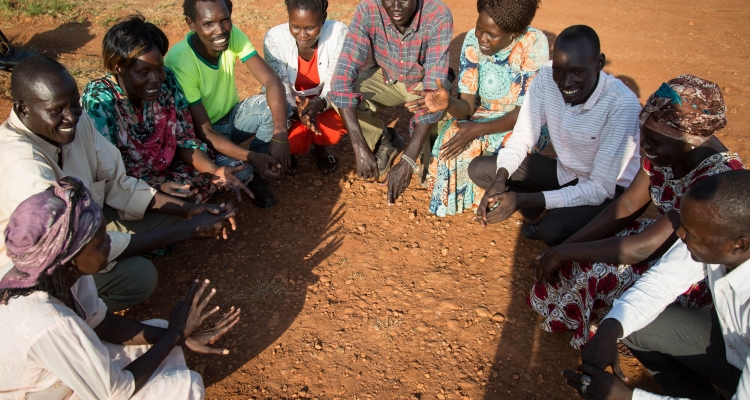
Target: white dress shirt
[596, 142]
[673, 275]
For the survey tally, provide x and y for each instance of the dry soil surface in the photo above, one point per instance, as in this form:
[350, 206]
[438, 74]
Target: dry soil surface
[345, 297]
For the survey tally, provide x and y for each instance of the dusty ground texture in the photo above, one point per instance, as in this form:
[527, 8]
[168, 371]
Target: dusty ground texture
[345, 297]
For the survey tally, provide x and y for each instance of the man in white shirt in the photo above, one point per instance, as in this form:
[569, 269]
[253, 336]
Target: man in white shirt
[592, 119]
[47, 137]
[687, 350]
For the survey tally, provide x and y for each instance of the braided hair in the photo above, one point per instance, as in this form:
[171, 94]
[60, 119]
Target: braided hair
[53, 284]
[320, 6]
[190, 10]
[511, 16]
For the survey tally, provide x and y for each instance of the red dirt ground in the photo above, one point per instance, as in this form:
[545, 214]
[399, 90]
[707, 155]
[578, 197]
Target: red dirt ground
[345, 297]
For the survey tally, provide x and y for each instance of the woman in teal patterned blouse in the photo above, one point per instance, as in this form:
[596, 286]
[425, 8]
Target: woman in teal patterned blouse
[140, 108]
[499, 58]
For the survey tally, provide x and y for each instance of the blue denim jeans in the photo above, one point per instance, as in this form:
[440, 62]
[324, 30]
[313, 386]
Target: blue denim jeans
[250, 117]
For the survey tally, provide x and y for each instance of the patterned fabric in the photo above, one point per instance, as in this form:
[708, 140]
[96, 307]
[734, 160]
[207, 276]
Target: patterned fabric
[500, 82]
[148, 140]
[686, 108]
[587, 290]
[419, 55]
[47, 230]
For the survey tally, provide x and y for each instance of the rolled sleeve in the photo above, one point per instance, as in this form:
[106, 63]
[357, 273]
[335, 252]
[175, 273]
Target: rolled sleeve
[353, 56]
[618, 143]
[436, 62]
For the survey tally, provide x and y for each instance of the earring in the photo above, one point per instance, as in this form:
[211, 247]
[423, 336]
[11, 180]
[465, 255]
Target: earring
[692, 147]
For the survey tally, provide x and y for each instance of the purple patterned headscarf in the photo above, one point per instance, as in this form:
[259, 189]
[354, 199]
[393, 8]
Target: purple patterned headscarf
[47, 230]
[686, 108]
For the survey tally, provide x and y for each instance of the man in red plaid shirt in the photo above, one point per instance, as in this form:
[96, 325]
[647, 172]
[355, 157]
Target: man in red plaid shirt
[408, 40]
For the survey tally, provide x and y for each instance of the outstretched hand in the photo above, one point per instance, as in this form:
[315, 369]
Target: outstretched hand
[200, 341]
[214, 221]
[225, 178]
[430, 100]
[467, 132]
[188, 315]
[175, 189]
[546, 266]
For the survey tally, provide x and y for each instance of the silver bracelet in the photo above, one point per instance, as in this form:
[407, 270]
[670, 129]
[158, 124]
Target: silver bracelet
[411, 162]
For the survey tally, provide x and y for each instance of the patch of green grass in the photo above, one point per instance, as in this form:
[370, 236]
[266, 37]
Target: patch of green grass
[63, 9]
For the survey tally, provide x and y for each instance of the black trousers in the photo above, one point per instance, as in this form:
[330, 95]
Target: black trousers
[538, 173]
[684, 350]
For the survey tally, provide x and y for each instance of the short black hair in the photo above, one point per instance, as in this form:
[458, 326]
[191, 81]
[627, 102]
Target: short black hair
[320, 6]
[728, 193]
[129, 39]
[29, 71]
[576, 33]
[190, 10]
[511, 16]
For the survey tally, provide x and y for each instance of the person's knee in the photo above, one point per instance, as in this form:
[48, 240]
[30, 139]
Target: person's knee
[552, 230]
[136, 282]
[478, 172]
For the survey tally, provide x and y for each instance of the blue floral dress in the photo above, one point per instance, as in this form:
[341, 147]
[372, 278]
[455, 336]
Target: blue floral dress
[500, 81]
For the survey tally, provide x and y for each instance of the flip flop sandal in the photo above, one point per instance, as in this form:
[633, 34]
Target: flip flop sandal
[327, 165]
[624, 350]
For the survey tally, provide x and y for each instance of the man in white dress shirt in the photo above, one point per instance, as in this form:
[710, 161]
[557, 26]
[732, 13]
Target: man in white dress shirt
[687, 350]
[593, 124]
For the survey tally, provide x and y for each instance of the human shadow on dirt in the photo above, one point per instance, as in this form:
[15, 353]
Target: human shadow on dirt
[264, 268]
[66, 38]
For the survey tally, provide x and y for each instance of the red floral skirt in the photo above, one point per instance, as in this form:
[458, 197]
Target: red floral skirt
[586, 292]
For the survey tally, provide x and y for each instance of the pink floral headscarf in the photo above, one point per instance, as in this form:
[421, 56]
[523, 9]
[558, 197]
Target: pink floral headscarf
[48, 230]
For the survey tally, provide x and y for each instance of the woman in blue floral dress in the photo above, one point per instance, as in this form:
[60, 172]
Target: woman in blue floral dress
[499, 58]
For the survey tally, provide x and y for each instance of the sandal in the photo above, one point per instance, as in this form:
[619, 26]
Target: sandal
[624, 350]
[9, 56]
[327, 165]
[293, 167]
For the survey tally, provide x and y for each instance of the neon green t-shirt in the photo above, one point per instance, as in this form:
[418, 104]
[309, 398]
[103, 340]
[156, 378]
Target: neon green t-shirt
[204, 82]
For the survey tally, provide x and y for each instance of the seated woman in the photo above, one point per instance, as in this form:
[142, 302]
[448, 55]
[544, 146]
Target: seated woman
[304, 53]
[58, 338]
[499, 58]
[578, 280]
[140, 108]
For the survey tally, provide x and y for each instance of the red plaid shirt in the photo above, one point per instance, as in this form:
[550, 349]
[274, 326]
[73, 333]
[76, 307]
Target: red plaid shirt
[419, 55]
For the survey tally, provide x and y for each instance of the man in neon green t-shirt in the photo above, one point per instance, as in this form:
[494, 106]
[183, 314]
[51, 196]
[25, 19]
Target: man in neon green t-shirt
[204, 65]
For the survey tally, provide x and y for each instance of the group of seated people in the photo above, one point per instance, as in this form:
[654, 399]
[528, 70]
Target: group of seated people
[93, 185]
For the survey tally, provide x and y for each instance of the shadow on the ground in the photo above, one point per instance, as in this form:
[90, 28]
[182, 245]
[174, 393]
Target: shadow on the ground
[66, 38]
[265, 268]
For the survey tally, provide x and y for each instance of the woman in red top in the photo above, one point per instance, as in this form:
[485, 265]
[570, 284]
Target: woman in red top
[304, 53]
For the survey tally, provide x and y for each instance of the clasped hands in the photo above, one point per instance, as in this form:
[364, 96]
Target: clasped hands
[498, 203]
